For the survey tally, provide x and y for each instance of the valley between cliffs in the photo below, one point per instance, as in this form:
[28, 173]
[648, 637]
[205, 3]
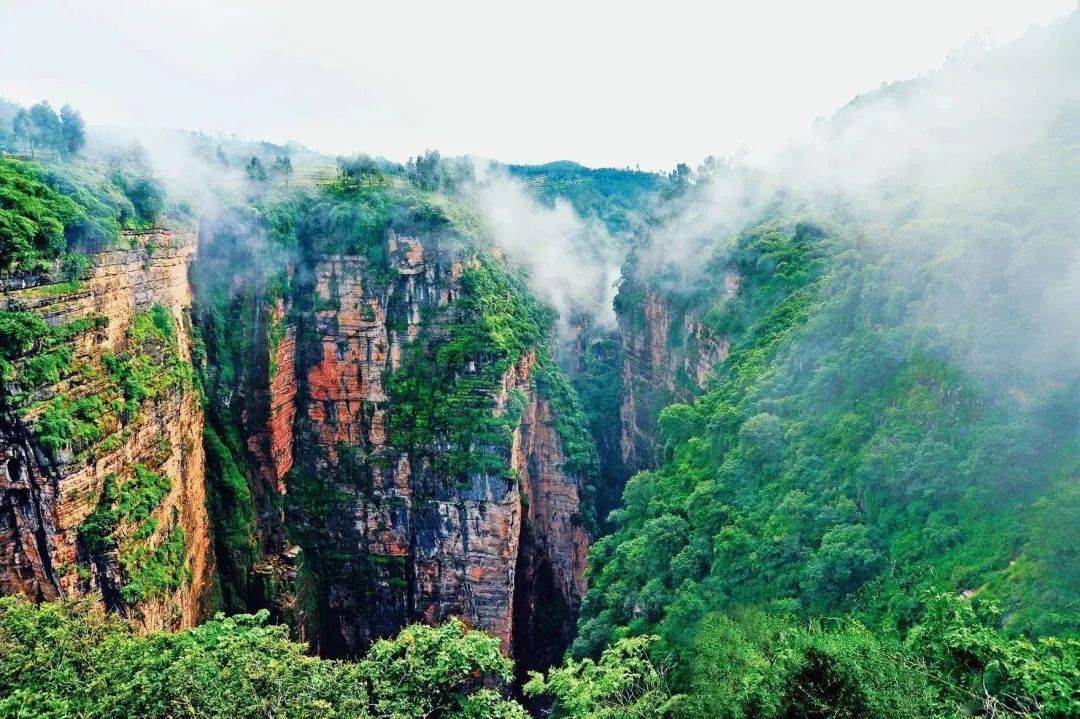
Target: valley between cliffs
[225, 434]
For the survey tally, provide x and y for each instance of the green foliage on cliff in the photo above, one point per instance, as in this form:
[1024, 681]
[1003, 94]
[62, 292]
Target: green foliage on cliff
[71, 660]
[577, 443]
[151, 367]
[34, 355]
[154, 569]
[96, 531]
[49, 212]
[232, 513]
[74, 424]
[121, 521]
[443, 391]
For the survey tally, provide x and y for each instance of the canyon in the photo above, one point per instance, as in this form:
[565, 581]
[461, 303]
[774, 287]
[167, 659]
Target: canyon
[354, 533]
[785, 434]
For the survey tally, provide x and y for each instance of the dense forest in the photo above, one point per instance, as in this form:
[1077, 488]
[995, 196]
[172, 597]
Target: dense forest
[821, 448]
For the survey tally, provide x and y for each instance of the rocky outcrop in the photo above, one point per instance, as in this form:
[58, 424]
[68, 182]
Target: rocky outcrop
[668, 354]
[552, 546]
[46, 495]
[388, 536]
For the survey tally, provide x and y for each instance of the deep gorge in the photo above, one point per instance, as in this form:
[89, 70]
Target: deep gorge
[295, 365]
[308, 436]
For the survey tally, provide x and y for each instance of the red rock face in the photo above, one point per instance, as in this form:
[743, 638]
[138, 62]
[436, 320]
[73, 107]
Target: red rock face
[44, 500]
[271, 438]
[406, 545]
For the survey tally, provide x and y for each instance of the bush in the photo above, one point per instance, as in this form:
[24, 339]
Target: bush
[33, 218]
[72, 660]
[625, 682]
[767, 666]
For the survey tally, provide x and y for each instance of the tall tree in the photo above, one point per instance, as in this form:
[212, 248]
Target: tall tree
[20, 129]
[256, 171]
[282, 167]
[44, 126]
[72, 131]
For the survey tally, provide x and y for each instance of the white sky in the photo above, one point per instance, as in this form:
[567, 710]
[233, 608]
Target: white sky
[603, 83]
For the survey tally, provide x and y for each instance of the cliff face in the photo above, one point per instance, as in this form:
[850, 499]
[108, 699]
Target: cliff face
[101, 463]
[389, 534]
[667, 356]
[552, 545]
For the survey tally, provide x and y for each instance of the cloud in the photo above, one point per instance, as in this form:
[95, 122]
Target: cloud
[962, 183]
[573, 261]
[628, 84]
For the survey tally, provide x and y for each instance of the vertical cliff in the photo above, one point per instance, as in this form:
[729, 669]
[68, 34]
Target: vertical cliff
[101, 437]
[426, 523]
[668, 353]
[413, 451]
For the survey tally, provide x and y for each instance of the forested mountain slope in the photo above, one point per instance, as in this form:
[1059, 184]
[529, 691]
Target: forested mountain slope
[893, 434]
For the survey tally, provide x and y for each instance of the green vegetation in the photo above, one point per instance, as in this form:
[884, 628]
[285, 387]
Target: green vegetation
[767, 664]
[851, 477]
[842, 464]
[72, 660]
[122, 521]
[39, 128]
[625, 682]
[34, 355]
[615, 196]
[154, 571]
[141, 495]
[51, 213]
[72, 424]
[96, 531]
[232, 512]
[33, 217]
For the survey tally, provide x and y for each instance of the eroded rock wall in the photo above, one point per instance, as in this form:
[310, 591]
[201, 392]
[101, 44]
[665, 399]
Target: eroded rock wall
[388, 539]
[668, 354]
[46, 496]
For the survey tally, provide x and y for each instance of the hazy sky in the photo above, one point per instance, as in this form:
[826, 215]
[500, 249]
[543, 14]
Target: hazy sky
[604, 83]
